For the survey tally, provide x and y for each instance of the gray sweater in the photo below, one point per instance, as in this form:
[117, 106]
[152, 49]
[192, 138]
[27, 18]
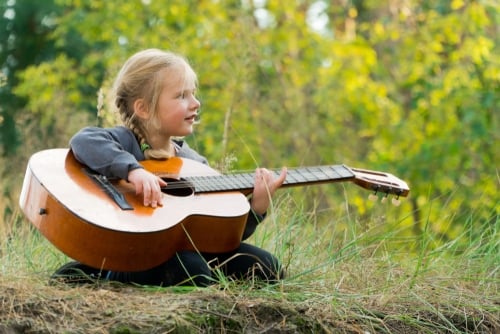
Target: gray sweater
[114, 152]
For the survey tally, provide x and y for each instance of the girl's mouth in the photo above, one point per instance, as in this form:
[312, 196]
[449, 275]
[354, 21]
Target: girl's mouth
[192, 118]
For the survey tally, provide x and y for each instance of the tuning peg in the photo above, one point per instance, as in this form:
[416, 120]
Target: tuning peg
[396, 201]
[373, 197]
[384, 199]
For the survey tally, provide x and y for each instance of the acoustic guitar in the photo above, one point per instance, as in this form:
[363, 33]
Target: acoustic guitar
[102, 222]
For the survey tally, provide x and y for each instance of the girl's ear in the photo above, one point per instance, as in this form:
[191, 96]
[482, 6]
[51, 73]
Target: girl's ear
[140, 109]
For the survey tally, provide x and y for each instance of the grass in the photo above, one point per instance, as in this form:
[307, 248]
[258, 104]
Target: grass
[343, 277]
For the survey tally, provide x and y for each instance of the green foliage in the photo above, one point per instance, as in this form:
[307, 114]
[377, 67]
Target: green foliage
[411, 88]
[24, 29]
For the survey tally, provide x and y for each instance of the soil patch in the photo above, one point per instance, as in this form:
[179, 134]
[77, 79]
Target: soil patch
[111, 309]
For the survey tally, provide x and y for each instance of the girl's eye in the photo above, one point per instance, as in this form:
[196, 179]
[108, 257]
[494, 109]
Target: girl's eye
[185, 95]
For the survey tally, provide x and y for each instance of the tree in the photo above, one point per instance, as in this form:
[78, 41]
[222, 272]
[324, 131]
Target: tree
[407, 87]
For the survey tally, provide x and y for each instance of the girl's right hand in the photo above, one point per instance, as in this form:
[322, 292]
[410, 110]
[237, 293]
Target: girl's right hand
[149, 185]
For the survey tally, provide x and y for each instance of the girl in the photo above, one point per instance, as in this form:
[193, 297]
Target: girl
[155, 96]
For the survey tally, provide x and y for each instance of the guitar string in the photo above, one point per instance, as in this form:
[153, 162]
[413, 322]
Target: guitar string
[240, 180]
[294, 176]
[246, 180]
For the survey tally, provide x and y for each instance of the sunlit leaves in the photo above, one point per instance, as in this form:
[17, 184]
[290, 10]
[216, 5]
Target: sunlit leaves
[404, 86]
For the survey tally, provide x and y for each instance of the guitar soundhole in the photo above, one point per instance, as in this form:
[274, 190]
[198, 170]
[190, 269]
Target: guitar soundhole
[180, 188]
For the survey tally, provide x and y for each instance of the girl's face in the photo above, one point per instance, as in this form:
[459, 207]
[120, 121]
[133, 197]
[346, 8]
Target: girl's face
[177, 104]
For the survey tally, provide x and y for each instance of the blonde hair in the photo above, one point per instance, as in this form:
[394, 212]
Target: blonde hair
[142, 77]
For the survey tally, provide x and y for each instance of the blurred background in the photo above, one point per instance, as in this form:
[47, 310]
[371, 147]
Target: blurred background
[407, 87]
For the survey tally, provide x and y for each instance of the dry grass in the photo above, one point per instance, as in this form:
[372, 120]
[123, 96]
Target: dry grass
[31, 306]
[360, 281]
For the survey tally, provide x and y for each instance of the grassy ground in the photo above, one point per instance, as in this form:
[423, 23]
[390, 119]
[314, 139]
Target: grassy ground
[340, 280]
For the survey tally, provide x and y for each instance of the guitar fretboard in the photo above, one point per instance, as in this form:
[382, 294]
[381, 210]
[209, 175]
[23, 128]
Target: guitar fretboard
[295, 177]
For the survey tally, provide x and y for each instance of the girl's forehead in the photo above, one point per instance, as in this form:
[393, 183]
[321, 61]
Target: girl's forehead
[179, 77]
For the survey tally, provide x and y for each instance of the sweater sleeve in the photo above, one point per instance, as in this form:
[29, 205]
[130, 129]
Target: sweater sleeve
[112, 152]
[253, 220]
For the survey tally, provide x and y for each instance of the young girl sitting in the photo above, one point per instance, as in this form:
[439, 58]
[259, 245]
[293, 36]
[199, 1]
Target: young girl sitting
[155, 96]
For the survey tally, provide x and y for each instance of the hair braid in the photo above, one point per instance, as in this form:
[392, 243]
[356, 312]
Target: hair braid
[137, 128]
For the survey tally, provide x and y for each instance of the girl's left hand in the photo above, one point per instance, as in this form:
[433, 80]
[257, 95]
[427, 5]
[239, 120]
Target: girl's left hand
[265, 184]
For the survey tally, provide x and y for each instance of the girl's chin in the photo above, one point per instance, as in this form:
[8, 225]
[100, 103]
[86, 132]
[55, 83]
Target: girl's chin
[185, 132]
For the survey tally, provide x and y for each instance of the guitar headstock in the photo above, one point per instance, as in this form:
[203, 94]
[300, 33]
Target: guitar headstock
[380, 183]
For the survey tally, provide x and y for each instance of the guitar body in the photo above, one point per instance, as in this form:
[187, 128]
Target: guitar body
[80, 219]
[104, 224]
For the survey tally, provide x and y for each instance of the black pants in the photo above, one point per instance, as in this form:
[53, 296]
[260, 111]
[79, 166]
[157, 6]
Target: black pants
[191, 268]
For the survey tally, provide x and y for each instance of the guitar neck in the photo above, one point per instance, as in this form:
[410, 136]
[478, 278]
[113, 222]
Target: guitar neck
[244, 182]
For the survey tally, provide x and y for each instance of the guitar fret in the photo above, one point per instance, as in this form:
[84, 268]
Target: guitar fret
[243, 180]
[202, 183]
[330, 172]
[217, 183]
[231, 183]
[246, 180]
[317, 174]
[303, 175]
[290, 177]
[296, 176]
[227, 182]
[313, 174]
[307, 175]
[342, 171]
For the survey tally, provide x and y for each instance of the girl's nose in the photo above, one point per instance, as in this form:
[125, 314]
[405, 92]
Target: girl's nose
[195, 103]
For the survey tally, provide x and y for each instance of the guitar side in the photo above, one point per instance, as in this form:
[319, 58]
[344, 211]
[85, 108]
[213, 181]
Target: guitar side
[74, 214]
